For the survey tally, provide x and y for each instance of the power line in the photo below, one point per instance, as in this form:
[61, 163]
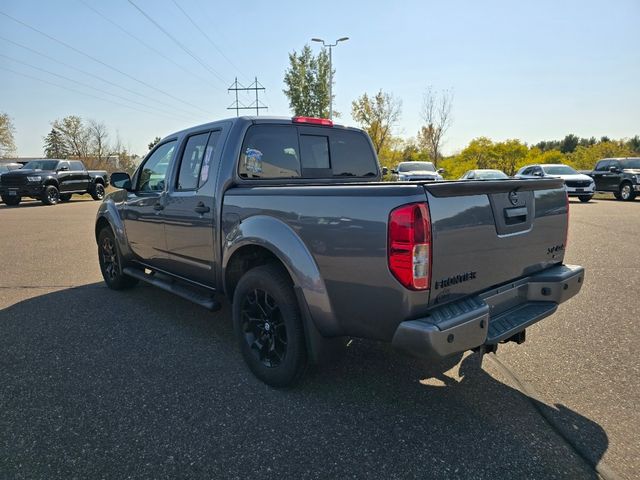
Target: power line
[138, 39]
[84, 72]
[178, 42]
[237, 105]
[142, 82]
[74, 90]
[207, 37]
[86, 85]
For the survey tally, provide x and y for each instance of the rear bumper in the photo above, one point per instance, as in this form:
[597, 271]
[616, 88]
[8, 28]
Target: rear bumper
[21, 191]
[491, 316]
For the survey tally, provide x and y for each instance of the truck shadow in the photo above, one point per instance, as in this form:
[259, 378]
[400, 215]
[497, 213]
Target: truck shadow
[98, 380]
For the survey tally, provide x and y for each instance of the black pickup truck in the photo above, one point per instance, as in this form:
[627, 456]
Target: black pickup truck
[620, 176]
[52, 181]
[290, 220]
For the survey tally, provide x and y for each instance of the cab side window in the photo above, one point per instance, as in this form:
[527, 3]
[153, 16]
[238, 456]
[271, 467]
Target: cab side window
[192, 162]
[603, 166]
[76, 166]
[154, 171]
[196, 162]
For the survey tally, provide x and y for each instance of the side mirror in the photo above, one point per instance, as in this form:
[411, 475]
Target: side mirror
[63, 168]
[614, 169]
[441, 170]
[385, 171]
[121, 180]
[393, 170]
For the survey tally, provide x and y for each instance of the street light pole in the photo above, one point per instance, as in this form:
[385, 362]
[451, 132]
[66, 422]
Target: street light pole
[330, 46]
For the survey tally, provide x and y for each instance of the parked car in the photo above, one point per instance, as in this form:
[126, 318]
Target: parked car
[410, 171]
[52, 181]
[577, 184]
[620, 176]
[484, 174]
[289, 219]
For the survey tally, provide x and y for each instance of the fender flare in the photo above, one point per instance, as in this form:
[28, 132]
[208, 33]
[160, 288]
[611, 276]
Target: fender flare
[108, 211]
[283, 242]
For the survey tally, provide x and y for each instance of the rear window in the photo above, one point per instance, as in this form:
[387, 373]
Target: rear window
[271, 151]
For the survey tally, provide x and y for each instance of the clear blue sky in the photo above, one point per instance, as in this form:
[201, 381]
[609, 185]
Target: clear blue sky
[534, 71]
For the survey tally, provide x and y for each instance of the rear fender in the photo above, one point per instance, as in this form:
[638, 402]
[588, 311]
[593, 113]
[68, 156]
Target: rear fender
[277, 237]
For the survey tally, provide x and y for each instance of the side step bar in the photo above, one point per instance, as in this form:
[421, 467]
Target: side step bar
[203, 300]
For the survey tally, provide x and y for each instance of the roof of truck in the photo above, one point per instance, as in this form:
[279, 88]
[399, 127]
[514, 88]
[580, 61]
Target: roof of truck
[248, 119]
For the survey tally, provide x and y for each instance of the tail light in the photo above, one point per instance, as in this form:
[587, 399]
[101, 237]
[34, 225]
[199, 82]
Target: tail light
[409, 250]
[313, 121]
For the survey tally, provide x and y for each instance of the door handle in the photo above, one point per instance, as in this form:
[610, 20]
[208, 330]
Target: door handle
[201, 208]
[158, 206]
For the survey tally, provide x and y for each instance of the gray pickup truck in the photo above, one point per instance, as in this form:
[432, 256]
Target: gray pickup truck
[289, 219]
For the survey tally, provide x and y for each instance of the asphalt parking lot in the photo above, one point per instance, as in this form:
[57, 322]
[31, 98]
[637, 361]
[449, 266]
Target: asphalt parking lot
[141, 384]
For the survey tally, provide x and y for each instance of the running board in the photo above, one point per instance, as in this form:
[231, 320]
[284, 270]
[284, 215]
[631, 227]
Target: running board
[205, 301]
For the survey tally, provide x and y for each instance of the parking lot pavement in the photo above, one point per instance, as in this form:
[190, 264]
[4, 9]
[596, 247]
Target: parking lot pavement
[96, 383]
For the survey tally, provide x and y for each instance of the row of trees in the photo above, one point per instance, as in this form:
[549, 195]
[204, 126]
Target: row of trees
[510, 155]
[89, 141]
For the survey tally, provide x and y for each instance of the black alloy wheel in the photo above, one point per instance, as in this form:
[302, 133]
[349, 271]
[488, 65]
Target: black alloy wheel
[110, 262]
[264, 329]
[268, 326]
[98, 192]
[50, 195]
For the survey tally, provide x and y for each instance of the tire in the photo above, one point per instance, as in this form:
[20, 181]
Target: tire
[626, 192]
[65, 197]
[50, 195]
[97, 192]
[111, 262]
[617, 196]
[12, 201]
[585, 198]
[268, 326]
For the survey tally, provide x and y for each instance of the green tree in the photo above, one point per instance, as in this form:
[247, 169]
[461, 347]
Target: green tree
[54, 145]
[634, 144]
[569, 143]
[7, 143]
[377, 115]
[76, 136]
[307, 82]
[154, 142]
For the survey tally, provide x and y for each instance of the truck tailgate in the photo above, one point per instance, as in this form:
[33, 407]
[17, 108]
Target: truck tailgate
[487, 233]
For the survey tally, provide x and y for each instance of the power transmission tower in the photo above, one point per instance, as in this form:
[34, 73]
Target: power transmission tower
[238, 105]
